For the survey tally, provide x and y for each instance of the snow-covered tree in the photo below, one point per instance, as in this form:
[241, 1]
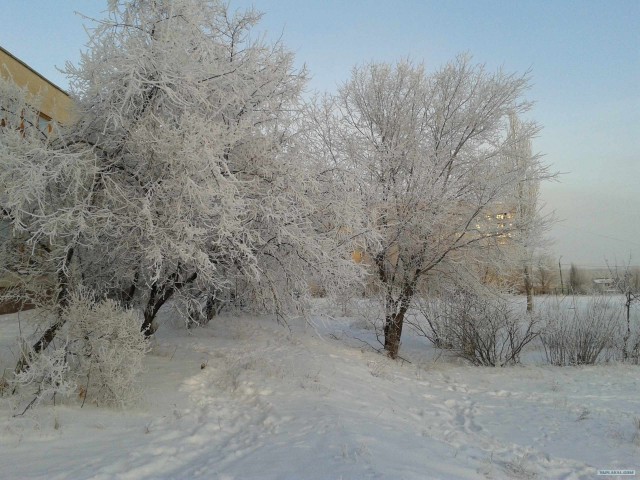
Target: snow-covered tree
[627, 282]
[28, 260]
[546, 274]
[577, 280]
[181, 174]
[429, 155]
[530, 223]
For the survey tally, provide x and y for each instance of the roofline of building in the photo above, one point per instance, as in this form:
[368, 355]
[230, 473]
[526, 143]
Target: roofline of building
[34, 71]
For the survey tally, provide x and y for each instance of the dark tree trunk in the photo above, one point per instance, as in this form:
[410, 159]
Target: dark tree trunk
[62, 302]
[158, 297]
[394, 320]
[627, 334]
[150, 312]
[393, 333]
[213, 306]
[395, 309]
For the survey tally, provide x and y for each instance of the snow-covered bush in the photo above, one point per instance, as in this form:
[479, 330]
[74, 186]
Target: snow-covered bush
[580, 333]
[98, 356]
[48, 377]
[433, 322]
[481, 328]
[634, 351]
[107, 349]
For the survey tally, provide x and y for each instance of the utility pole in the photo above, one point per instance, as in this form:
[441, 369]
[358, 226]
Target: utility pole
[560, 268]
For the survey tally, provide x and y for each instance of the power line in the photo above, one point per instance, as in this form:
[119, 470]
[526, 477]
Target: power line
[601, 267]
[577, 229]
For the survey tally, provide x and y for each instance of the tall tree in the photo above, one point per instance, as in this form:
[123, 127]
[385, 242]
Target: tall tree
[546, 276]
[181, 174]
[627, 282]
[529, 222]
[576, 279]
[429, 153]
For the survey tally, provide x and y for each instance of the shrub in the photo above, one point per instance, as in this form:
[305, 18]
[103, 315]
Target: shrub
[98, 355]
[48, 376]
[579, 334]
[481, 328]
[108, 347]
[634, 351]
[436, 326]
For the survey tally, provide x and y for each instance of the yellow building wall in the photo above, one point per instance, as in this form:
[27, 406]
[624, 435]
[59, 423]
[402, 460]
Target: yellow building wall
[54, 102]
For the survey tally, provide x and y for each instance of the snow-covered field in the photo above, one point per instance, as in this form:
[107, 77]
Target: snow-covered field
[246, 398]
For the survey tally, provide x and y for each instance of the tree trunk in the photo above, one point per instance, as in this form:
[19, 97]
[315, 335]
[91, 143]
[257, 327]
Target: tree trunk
[157, 298]
[627, 335]
[393, 333]
[395, 320]
[149, 315]
[528, 288]
[213, 306]
[62, 302]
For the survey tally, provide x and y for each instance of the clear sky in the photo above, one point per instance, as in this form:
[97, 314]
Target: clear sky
[584, 57]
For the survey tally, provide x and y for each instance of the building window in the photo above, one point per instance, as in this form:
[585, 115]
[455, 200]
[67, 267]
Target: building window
[44, 123]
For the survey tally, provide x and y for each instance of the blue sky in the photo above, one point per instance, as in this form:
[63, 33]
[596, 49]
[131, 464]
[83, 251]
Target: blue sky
[584, 58]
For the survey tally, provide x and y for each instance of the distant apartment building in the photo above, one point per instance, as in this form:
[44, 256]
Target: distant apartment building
[498, 223]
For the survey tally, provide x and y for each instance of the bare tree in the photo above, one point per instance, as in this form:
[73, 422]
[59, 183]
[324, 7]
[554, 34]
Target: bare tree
[627, 282]
[545, 274]
[430, 155]
[576, 279]
[529, 222]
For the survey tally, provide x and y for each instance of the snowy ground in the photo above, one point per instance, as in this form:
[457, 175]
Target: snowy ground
[245, 398]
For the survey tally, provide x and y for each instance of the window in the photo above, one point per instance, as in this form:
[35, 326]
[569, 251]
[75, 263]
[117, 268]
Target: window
[44, 123]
